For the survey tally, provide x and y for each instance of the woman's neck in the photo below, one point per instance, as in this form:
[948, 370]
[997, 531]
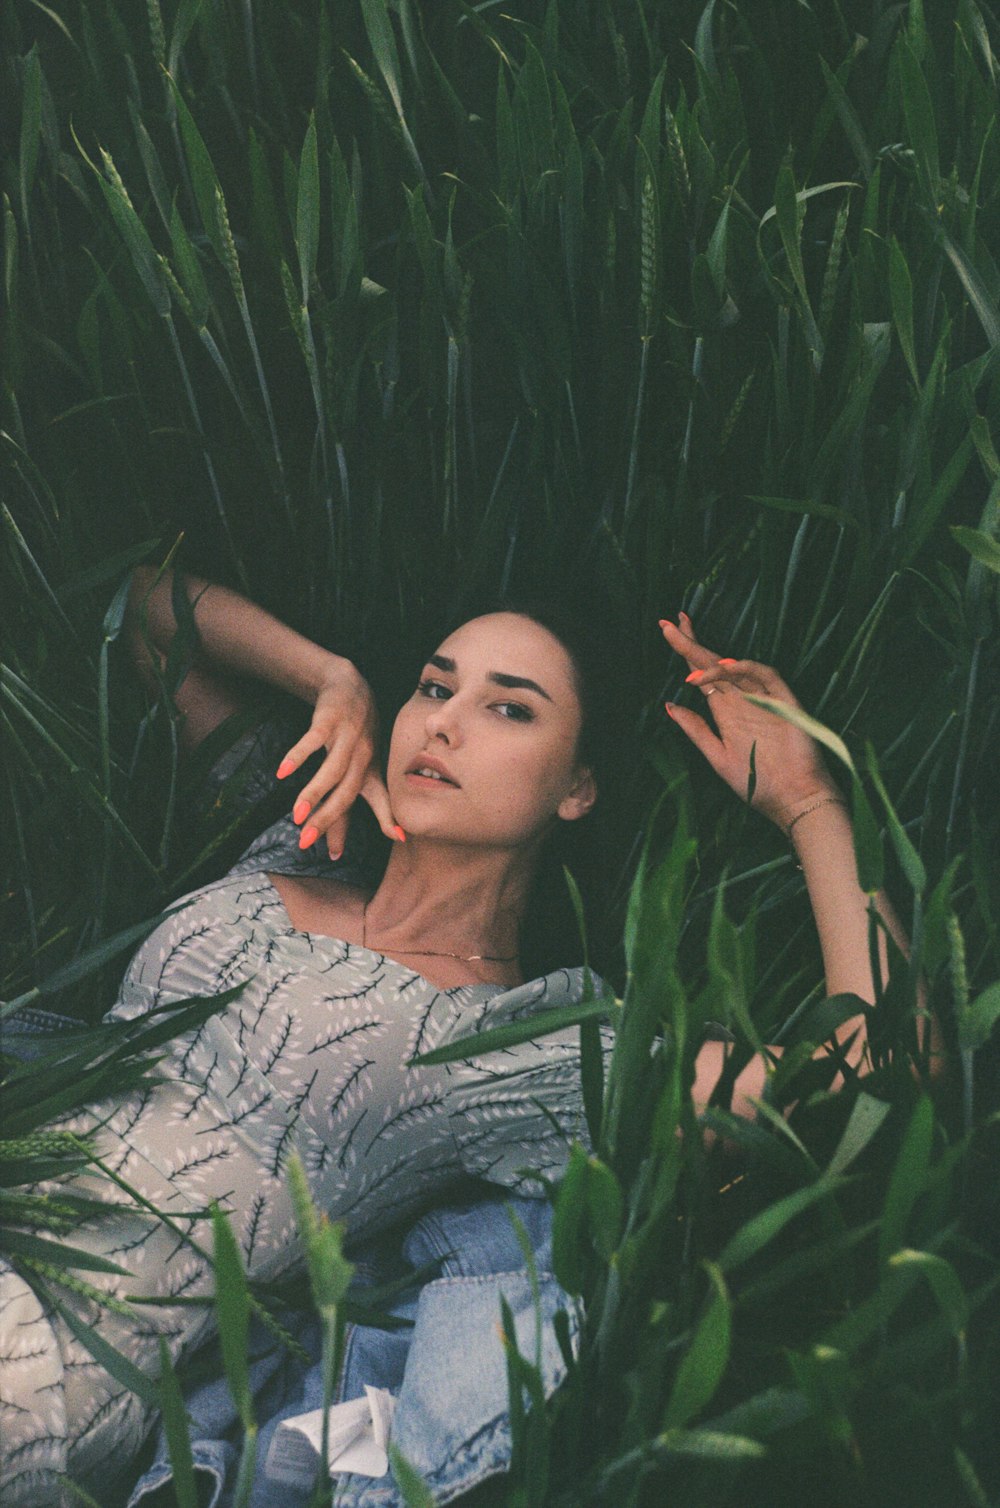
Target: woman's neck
[450, 898]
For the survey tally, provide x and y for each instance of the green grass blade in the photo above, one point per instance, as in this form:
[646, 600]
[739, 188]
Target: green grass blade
[307, 212]
[175, 1427]
[705, 1360]
[232, 1305]
[909, 1178]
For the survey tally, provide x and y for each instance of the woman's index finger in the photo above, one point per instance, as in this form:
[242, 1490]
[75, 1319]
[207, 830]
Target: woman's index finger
[297, 755]
[683, 644]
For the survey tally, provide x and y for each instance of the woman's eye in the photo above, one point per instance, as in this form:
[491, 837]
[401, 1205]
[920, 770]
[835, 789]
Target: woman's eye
[431, 689]
[516, 711]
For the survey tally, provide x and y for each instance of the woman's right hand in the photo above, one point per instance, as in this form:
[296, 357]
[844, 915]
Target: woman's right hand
[345, 724]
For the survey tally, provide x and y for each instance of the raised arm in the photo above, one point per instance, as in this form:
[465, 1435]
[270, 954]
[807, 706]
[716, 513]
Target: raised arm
[240, 642]
[793, 790]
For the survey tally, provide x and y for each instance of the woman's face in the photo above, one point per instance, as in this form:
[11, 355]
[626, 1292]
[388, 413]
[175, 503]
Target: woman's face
[484, 751]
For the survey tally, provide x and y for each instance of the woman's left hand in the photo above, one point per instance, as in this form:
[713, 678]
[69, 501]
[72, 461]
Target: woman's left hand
[789, 770]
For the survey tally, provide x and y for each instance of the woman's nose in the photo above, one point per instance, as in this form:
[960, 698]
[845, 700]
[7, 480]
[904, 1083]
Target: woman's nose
[443, 721]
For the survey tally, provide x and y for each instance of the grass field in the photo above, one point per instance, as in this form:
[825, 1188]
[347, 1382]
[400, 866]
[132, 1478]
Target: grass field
[377, 309]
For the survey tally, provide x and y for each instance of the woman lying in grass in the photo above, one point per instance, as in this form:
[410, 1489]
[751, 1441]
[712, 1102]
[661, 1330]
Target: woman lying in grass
[344, 984]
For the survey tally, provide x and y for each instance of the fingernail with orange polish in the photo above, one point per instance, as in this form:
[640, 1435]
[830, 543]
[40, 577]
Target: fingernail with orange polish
[727, 663]
[665, 623]
[399, 834]
[300, 811]
[668, 707]
[285, 768]
[309, 836]
[695, 677]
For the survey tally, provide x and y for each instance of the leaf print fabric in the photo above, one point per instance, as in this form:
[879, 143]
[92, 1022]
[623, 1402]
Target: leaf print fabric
[312, 1055]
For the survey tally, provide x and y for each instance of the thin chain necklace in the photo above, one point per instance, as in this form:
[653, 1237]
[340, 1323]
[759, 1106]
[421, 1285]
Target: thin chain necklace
[438, 952]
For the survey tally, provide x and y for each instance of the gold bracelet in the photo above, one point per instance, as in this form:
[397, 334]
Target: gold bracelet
[826, 801]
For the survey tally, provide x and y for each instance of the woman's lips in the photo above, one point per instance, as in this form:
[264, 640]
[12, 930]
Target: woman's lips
[433, 766]
[430, 780]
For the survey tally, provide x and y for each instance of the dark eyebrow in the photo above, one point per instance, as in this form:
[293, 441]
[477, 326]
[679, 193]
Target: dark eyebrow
[511, 682]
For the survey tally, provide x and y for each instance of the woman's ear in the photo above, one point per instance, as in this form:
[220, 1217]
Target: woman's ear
[580, 798]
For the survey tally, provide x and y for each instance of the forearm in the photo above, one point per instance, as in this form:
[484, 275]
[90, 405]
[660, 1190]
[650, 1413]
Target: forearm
[824, 844]
[235, 635]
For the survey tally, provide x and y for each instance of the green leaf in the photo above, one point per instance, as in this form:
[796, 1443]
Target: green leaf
[805, 506]
[189, 273]
[121, 1369]
[705, 1360]
[541, 1024]
[307, 210]
[186, 16]
[978, 294]
[901, 296]
[867, 1115]
[909, 1179]
[136, 237]
[981, 546]
[807, 724]
[232, 1307]
[330, 1272]
[943, 1281]
[766, 1413]
[605, 1207]
[985, 449]
[175, 1427]
[383, 46]
[918, 109]
[90, 961]
[909, 860]
[805, 194]
[375, 14]
[569, 1223]
[31, 129]
[704, 48]
[204, 179]
[109, 568]
[976, 1022]
[58, 1253]
[761, 1229]
[415, 1492]
[849, 119]
[709, 1445]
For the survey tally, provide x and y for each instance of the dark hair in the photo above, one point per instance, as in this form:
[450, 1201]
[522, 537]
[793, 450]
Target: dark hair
[594, 848]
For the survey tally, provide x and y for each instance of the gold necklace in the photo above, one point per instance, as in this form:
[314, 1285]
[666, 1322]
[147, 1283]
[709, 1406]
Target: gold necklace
[437, 952]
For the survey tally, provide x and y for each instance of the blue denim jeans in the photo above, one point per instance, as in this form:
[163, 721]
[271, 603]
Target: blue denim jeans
[448, 1372]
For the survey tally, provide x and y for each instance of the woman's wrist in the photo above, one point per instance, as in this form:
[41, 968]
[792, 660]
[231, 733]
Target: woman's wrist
[806, 809]
[236, 635]
[819, 829]
[317, 668]
[787, 812]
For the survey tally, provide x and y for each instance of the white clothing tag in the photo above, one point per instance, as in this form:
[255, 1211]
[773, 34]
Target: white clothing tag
[359, 1434]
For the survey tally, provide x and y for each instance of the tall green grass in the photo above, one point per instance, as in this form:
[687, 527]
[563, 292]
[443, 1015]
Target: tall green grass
[379, 309]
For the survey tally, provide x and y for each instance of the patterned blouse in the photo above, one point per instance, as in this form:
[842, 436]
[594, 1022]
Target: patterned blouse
[312, 1054]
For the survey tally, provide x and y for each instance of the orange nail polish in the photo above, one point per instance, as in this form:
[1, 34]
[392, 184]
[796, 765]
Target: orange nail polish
[399, 834]
[285, 768]
[309, 836]
[668, 707]
[727, 663]
[300, 810]
[695, 677]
